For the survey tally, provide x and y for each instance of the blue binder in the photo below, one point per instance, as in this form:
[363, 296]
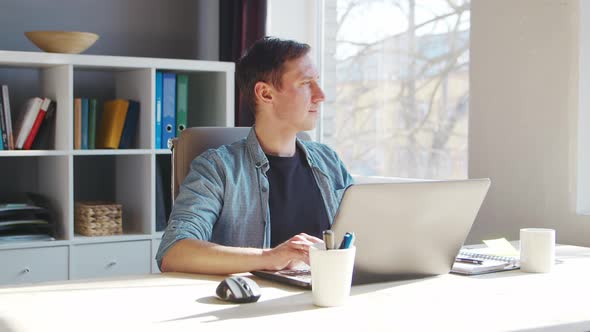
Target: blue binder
[168, 108]
[85, 123]
[158, 133]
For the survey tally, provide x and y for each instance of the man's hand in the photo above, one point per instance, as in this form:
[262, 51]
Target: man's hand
[290, 252]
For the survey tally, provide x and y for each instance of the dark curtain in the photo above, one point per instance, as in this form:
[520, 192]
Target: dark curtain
[241, 23]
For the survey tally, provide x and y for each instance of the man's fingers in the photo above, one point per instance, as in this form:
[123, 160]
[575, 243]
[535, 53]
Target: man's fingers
[307, 237]
[315, 240]
[299, 245]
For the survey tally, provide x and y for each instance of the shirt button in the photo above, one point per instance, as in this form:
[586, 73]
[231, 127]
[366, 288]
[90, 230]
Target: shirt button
[264, 189]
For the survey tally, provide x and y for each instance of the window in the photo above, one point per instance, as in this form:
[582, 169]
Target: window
[396, 78]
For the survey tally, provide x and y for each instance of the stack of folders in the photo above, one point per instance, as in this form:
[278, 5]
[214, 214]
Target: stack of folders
[474, 261]
[25, 221]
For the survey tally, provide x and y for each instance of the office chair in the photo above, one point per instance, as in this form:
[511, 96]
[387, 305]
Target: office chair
[196, 140]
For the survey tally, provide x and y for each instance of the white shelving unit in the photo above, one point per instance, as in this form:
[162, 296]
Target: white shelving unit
[66, 175]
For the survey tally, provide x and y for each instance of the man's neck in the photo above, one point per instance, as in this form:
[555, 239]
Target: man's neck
[275, 140]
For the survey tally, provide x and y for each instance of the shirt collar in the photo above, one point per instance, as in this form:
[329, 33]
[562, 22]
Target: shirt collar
[258, 155]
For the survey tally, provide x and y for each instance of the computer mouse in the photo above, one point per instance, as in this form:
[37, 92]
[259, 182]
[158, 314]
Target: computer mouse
[238, 290]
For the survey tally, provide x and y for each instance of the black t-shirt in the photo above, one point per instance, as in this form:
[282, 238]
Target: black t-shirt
[295, 202]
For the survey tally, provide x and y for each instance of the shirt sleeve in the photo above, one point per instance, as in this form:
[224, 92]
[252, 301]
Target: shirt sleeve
[197, 206]
[346, 177]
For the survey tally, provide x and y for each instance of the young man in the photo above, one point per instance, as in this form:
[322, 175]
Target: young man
[259, 203]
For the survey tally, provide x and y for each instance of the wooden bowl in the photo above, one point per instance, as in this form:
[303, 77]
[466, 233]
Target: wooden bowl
[62, 41]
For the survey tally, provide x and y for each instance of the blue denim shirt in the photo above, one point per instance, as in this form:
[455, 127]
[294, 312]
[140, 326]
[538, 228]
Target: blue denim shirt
[224, 197]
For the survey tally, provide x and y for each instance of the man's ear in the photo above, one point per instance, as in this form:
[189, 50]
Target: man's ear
[263, 92]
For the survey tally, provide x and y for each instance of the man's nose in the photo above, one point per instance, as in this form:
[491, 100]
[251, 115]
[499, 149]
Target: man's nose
[318, 94]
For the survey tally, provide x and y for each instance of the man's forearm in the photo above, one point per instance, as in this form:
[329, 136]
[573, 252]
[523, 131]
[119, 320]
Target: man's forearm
[195, 256]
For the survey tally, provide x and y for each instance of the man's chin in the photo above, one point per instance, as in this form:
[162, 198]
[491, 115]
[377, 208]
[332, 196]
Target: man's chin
[309, 126]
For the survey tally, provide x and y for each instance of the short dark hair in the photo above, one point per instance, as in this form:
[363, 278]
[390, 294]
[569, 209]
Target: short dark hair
[263, 62]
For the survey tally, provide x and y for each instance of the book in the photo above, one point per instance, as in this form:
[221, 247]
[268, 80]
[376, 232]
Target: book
[158, 128]
[26, 120]
[92, 109]
[45, 138]
[37, 124]
[129, 129]
[3, 137]
[77, 123]
[84, 130]
[7, 117]
[111, 124]
[181, 102]
[168, 107]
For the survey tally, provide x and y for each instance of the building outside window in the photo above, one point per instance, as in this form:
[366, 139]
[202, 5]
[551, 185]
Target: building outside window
[396, 77]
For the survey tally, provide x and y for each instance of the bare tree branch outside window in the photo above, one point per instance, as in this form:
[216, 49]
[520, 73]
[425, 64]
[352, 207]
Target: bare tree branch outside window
[396, 77]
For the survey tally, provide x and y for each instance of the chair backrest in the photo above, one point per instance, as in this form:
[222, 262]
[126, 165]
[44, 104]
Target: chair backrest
[196, 140]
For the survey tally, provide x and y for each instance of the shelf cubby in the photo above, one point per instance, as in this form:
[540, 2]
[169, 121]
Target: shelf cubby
[120, 179]
[40, 81]
[47, 176]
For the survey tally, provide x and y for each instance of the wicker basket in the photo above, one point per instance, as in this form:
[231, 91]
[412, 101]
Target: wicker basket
[98, 218]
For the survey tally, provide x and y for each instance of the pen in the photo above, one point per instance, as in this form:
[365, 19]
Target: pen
[352, 238]
[347, 241]
[469, 260]
[328, 239]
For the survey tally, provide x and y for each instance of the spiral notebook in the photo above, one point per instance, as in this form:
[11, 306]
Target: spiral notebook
[499, 255]
[491, 263]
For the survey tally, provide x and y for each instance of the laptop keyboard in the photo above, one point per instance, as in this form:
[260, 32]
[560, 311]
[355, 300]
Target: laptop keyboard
[300, 274]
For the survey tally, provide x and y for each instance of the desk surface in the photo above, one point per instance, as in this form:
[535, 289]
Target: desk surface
[177, 302]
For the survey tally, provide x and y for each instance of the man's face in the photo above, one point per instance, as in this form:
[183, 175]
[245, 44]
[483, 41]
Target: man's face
[296, 102]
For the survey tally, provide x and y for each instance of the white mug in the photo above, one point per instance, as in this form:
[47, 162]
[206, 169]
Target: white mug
[331, 274]
[537, 249]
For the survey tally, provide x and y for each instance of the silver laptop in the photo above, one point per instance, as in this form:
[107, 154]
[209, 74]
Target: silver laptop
[402, 230]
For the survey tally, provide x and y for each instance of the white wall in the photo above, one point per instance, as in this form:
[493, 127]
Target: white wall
[523, 117]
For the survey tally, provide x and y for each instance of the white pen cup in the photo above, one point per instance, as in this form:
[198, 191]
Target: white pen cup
[537, 250]
[331, 274]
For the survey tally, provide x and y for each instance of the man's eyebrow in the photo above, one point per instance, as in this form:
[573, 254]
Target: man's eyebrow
[308, 77]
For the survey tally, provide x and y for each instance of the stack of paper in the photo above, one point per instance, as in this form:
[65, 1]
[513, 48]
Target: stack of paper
[485, 267]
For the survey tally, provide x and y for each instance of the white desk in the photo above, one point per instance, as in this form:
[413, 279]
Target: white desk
[513, 300]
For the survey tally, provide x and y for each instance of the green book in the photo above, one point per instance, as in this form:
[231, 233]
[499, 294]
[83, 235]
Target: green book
[181, 102]
[92, 123]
